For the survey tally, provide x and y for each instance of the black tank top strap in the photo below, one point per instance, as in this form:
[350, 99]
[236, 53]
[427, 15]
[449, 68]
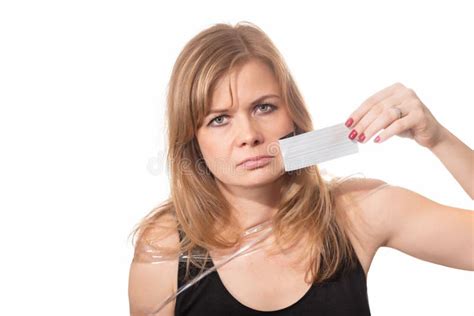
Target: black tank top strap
[194, 270]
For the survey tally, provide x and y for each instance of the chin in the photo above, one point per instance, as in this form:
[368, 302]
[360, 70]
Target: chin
[258, 178]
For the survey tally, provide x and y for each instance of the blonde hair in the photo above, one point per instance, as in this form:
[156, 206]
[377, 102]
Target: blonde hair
[307, 207]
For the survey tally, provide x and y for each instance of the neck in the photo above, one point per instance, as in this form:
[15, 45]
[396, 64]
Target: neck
[252, 205]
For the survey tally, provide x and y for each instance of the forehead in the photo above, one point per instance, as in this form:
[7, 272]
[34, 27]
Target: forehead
[243, 85]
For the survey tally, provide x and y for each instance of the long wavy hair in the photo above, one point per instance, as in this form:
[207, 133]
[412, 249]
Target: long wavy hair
[307, 207]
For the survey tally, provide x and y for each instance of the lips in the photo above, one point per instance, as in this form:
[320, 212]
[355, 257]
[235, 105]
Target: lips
[254, 159]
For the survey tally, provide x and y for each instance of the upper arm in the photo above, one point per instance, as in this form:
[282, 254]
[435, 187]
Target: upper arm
[151, 282]
[423, 228]
[356, 198]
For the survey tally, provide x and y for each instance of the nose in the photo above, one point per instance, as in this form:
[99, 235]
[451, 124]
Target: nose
[249, 134]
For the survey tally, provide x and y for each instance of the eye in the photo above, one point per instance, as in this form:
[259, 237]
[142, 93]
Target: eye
[270, 107]
[216, 120]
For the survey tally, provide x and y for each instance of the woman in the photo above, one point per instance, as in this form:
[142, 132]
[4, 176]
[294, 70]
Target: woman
[231, 97]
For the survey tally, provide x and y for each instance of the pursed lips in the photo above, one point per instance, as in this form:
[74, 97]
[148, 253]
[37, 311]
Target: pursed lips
[254, 158]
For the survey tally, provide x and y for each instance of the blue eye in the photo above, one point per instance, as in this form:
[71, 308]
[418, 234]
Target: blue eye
[266, 105]
[270, 106]
[217, 118]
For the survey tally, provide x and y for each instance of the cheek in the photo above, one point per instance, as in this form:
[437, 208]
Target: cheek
[213, 149]
[283, 122]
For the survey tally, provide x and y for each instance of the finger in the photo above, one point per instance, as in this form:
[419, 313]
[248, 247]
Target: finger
[378, 109]
[397, 127]
[382, 121]
[368, 103]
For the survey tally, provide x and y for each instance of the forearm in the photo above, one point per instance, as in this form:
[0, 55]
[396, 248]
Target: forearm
[458, 158]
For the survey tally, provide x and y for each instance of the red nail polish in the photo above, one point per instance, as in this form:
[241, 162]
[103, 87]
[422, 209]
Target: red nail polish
[361, 137]
[349, 122]
[353, 134]
[377, 139]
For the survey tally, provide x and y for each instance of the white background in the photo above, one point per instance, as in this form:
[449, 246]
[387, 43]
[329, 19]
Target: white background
[82, 96]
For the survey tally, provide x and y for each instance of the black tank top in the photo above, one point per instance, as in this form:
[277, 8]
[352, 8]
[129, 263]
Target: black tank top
[344, 294]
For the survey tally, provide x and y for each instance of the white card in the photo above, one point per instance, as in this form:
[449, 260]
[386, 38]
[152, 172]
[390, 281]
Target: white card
[317, 146]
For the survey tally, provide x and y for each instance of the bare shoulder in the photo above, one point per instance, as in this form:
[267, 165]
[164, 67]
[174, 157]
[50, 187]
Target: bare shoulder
[359, 187]
[363, 199]
[151, 282]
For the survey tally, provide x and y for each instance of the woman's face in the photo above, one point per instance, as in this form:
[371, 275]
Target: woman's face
[251, 127]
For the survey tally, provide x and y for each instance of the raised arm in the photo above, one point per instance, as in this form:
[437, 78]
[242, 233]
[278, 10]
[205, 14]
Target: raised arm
[458, 158]
[422, 228]
[398, 111]
[402, 219]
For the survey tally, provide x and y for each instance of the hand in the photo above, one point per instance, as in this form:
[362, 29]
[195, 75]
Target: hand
[414, 120]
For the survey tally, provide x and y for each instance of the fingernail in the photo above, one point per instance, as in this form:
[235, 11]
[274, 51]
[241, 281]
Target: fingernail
[353, 134]
[361, 137]
[349, 122]
[377, 139]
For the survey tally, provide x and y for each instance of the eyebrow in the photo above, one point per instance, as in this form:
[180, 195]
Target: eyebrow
[260, 99]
